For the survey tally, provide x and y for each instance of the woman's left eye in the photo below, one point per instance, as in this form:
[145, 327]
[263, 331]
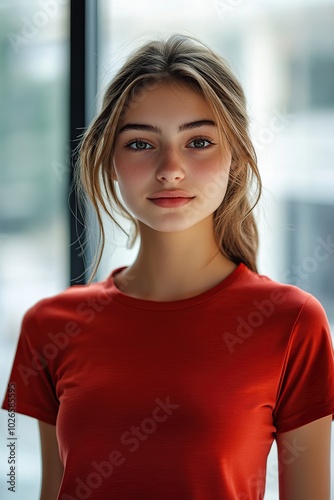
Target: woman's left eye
[200, 143]
[140, 145]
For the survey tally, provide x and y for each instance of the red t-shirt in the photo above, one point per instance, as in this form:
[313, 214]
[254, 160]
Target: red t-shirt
[180, 399]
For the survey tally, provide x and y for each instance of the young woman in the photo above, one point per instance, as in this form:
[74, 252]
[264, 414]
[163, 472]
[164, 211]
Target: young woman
[172, 377]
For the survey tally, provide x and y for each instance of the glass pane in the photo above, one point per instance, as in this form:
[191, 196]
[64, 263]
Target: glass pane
[34, 242]
[282, 54]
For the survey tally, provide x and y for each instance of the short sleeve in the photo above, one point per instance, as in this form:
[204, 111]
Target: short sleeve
[306, 389]
[30, 376]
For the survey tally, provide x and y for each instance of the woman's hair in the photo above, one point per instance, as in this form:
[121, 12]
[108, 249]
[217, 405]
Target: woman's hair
[183, 60]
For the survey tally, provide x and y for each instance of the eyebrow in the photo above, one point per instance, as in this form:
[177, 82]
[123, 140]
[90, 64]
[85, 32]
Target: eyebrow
[157, 130]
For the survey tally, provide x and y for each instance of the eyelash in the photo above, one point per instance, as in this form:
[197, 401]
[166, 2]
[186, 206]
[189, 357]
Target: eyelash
[133, 141]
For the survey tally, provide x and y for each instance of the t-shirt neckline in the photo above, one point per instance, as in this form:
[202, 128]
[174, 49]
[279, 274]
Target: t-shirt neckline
[127, 300]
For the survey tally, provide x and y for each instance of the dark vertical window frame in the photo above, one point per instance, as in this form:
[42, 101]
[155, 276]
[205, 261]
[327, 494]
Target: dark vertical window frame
[83, 88]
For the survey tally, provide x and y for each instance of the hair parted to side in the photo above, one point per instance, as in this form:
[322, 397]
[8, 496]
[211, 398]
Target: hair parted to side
[184, 60]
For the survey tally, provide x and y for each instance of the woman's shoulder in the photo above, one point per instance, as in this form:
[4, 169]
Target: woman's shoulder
[287, 296]
[71, 299]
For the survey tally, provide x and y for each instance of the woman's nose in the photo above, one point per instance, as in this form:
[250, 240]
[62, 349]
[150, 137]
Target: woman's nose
[170, 165]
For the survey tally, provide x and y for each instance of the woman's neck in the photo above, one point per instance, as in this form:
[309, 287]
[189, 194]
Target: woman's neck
[174, 266]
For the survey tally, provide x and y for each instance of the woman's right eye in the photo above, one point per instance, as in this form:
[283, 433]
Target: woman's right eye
[138, 145]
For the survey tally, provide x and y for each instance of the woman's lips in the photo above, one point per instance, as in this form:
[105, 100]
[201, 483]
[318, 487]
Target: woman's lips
[170, 202]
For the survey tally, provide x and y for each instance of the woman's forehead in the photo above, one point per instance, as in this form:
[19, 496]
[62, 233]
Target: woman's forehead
[166, 99]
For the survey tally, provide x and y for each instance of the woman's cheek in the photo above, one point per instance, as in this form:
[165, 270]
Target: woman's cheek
[133, 180]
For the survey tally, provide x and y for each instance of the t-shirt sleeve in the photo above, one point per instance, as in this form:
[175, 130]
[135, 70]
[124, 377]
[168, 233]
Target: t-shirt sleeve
[31, 387]
[306, 389]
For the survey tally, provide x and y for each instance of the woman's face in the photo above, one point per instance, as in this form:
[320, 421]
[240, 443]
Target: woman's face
[168, 140]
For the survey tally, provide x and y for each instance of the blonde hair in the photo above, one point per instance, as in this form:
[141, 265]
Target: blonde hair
[184, 60]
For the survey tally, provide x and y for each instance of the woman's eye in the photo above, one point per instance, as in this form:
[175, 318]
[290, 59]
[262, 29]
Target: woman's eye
[200, 143]
[138, 145]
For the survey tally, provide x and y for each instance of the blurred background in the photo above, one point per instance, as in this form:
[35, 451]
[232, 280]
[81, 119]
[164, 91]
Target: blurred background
[283, 54]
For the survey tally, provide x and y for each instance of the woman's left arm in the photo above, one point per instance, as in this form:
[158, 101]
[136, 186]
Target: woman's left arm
[304, 461]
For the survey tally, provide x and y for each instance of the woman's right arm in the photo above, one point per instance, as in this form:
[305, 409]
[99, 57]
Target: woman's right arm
[52, 467]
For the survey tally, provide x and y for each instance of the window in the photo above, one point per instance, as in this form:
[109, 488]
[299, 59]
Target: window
[33, 190]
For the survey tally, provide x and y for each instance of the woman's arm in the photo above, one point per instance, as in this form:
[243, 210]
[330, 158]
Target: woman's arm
[52, 468]
[304, 461]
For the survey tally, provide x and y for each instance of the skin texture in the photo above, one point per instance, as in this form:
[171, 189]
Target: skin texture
[52, 468]
[178, 256]
[170, 160]
[304, 474]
